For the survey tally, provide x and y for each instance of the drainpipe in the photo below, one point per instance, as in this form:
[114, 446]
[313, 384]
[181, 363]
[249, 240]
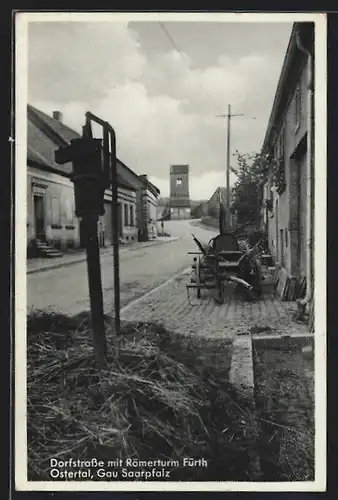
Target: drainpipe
[309, 180]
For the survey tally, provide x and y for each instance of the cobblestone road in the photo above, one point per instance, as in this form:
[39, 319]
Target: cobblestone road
[170, 306]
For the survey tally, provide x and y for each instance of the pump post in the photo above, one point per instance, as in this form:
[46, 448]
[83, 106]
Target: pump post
[86, 155]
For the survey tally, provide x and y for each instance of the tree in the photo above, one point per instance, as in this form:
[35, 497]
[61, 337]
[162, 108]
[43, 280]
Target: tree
[252, 172]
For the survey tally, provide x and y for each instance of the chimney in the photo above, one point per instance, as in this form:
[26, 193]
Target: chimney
[58, 116]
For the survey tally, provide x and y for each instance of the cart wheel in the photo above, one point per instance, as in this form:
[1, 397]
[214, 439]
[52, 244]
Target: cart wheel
[198, 278]
[254, 294]
[256, 290]
[250, 295]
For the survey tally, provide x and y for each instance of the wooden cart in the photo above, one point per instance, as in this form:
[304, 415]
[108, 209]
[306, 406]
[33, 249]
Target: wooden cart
[222, 261]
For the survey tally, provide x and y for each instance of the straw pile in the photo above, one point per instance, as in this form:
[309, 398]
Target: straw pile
[163, 396]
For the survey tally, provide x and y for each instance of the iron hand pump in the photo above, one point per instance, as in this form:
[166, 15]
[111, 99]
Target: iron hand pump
[94, 171]
[110, 169]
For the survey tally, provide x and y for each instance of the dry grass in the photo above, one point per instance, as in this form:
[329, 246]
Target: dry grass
[163, 396]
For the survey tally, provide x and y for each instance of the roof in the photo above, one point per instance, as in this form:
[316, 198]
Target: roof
[195, 209]
[46, 134]
[35, 157]
[220, 191]
[123, 182]
[179, 169]
[129, 175]
[220, 194]
[65, 133]
[149, 185]
[289, 74]
[41, 147]
[197, 203]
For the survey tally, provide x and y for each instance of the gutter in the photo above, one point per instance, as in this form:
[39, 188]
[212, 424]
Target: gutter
[309, 180]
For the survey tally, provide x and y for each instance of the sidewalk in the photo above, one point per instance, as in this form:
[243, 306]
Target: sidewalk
[169, 305]
[44, 264]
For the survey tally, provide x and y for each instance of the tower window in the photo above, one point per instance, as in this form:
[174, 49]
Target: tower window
[178, 181]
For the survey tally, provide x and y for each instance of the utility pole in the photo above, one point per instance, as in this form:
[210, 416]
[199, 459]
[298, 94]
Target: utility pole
[228, 115]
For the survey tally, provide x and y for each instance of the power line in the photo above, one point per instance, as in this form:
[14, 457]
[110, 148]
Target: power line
[181, 52]
[177, 48]
[172, 41]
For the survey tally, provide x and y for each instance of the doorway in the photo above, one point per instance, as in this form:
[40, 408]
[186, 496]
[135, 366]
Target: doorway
[281, 239]
[39, 217]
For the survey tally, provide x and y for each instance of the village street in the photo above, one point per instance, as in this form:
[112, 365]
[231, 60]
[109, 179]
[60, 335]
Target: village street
[142, 270]
[65, 289]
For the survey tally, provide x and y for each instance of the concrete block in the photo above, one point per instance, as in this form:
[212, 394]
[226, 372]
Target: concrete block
[308, 352]
[276, 341]
[241, 377]
[241, 370]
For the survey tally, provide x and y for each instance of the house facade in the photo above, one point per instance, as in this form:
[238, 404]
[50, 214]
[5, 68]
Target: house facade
[214, 205]
[200, 210]
[288, 207]
[218, 196]
[147, 197]
[50, 192]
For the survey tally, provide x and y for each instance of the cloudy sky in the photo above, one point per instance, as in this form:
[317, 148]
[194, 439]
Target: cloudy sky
[161, 85]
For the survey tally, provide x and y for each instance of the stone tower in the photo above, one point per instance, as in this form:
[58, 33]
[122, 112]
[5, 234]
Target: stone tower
[179, 192]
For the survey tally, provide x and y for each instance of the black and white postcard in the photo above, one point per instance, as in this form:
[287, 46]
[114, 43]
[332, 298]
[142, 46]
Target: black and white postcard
[170, 251]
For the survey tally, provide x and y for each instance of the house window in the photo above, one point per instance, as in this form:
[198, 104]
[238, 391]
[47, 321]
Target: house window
[178, 181]
[126, 222]
[298, 106]
[131, 215]
[279, 175]
[280, 146]
[69, 211]
[56, 212]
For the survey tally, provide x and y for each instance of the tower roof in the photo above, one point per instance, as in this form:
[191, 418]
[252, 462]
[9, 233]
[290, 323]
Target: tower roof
[179, 169]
